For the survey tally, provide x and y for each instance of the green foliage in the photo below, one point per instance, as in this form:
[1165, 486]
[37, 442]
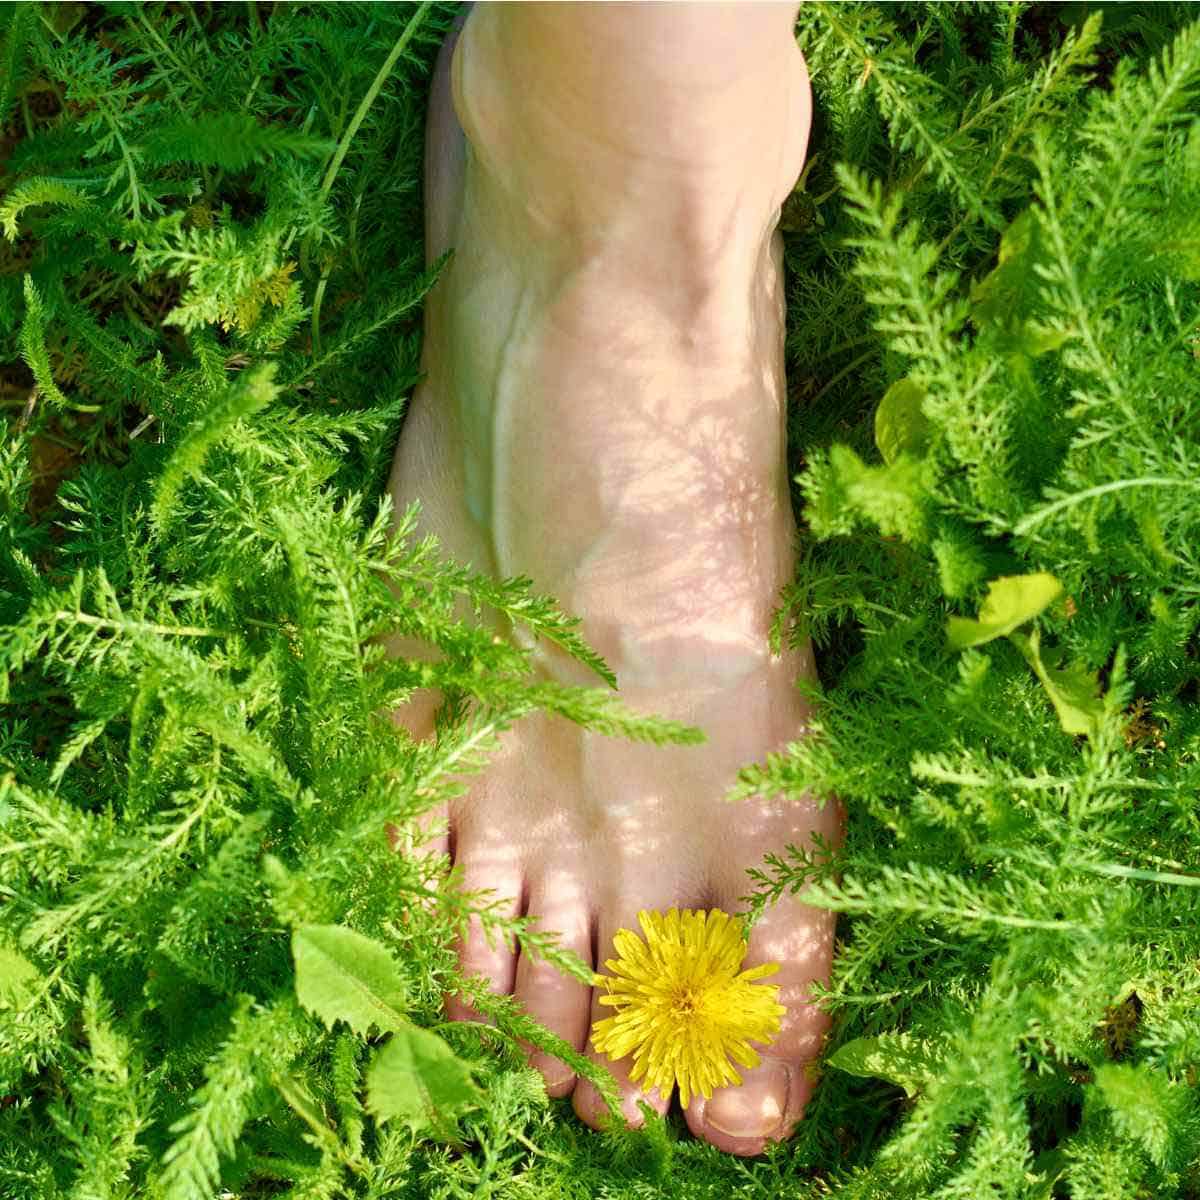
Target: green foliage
[17, 977]
[417, 1080]
[33, 349]
[1027, 335]
[1011, 601]
[899, 1058]
[900, 425]
[1150, 1109]
[17, 28]
[343, 976]
[216, 977]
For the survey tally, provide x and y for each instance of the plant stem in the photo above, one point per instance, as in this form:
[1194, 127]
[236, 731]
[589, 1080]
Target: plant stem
[364, 106]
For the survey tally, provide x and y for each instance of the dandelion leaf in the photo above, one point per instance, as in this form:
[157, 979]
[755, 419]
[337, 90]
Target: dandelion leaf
[1012, 600]
[900, 1058]
[418, 1080]
[343, 976]
[1073, 689]
[900, 425]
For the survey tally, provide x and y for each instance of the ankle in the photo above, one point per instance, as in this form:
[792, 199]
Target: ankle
[581, 157]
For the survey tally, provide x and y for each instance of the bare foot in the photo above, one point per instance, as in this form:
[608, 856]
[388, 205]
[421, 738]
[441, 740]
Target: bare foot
[604, 411]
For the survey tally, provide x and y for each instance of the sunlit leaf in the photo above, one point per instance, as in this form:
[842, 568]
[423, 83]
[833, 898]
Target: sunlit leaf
[900, 1058]
[418, 1080]
[1073, 689]
[1012, 601]
[900, 425]
[343, 976]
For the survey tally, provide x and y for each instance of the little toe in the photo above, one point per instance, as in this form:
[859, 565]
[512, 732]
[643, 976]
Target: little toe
[495, 961]
[560, 1002]
[771, 1098]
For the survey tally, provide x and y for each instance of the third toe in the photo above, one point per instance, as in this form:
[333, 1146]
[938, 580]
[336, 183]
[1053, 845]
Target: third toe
[560, 1002]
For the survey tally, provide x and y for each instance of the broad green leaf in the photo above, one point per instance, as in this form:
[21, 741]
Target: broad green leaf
[1004, 297]
[1073, 690]
[1001, 295]
[417, 1079]
[900, 425]
[1012, 600]
[343, 976]
[1035, 339]
[17, 978]
[900, 1058]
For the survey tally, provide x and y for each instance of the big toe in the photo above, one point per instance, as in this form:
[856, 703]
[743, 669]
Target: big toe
[765, 1107]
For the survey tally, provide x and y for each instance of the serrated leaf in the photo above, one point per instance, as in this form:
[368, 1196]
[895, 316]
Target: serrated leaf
[1012, 600]
[1073, 690]
[417, 1079]
[32, 192]
[33, 345]
[900, 1058]
[893, 496]
[342, 975]
[901, 427]
[17, 978]
[17, 33]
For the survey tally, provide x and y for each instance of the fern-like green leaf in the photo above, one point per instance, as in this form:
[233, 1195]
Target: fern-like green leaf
[232, 140]
[252, 391]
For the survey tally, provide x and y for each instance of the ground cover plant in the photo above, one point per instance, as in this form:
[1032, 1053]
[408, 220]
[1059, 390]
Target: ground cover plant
[217, 978]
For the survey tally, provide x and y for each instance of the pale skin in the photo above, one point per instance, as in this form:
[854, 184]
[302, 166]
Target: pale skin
[603, 411]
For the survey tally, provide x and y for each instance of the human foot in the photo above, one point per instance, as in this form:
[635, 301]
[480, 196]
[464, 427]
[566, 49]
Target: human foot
[603, 411]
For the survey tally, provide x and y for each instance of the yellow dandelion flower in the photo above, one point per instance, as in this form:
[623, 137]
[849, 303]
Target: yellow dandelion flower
[684, 1008]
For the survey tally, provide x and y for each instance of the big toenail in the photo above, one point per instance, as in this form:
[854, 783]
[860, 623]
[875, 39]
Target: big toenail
[754, 1110]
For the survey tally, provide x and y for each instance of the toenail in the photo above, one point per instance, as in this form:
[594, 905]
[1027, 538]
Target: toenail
[556, 1082]
[754, 1110]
